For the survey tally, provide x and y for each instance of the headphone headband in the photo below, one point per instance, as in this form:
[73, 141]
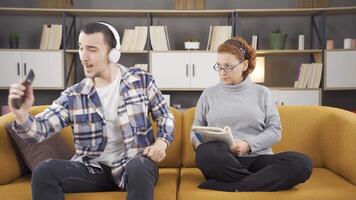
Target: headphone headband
[115, 33]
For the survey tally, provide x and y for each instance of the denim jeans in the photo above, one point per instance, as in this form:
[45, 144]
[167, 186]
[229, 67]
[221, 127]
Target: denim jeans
[52, 178]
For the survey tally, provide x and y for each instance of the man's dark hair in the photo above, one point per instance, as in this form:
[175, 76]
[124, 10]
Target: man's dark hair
[95, 27]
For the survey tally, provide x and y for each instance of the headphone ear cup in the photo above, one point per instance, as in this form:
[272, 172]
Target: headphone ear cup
[114, 55]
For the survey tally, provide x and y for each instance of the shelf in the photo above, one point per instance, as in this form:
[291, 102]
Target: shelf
[295, 11]
[288, 51]
[181, 89]
[38, 50]
[76, 51]
[181, 13]
[191, 13]
[201, 89]
[32, 11]
[340, 49]
[292, 88]
[117, 12]
[184, 51]
[108, 12]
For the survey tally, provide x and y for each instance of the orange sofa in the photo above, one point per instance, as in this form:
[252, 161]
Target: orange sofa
[327, 135]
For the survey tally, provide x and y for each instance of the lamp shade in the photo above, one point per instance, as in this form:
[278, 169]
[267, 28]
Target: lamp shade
[258, 74]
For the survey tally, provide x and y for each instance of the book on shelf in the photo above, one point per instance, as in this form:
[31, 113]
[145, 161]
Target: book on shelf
[218, 35]
[209, 38]
[210, 133]
[134, 39]
[125, 39]
[309, 75]
[51, 37]
[159, 38]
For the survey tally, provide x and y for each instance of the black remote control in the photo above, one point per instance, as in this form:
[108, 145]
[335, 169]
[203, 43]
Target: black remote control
[17, 103]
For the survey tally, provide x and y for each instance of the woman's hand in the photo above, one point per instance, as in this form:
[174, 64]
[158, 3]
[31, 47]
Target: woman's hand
[240, 147]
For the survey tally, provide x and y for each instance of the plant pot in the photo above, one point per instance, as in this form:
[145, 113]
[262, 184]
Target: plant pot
[191, 45]
[277, 40]
[14, 44]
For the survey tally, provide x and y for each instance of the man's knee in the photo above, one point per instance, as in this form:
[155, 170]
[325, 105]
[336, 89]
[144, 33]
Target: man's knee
[141, 168]
[44, 171]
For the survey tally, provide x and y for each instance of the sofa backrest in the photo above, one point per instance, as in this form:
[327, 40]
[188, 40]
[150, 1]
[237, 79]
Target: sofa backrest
[174, 153]
[338, 143]
[300, 132]
[8, 151]
[188, 153]
[173, 158]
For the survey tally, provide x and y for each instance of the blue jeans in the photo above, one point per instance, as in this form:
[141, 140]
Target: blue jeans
[52, 178]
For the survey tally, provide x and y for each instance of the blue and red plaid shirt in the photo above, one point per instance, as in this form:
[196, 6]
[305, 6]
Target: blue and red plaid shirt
[80, 107]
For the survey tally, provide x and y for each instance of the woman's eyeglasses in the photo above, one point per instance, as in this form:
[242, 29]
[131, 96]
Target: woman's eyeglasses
[226, 68]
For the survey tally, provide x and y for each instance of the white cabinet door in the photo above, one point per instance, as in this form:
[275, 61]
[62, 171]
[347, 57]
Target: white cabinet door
[47, 66]
[170, 69]
[202, 73]
[299, 97]
[10, 65]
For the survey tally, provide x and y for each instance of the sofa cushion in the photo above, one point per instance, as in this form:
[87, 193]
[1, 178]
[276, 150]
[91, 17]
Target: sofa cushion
[188, 158]
[300, 132]
[174, 153]
[33, 153]
[322, 185]
[166, 189]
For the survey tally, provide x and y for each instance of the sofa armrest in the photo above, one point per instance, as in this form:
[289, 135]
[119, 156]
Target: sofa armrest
[10, 165]
[338, 143]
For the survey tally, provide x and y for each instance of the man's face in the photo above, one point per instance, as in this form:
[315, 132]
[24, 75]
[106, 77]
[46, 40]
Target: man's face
[93, 53]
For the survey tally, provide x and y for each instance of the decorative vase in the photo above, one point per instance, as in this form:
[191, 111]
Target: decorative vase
[14, 44]
[277, 40]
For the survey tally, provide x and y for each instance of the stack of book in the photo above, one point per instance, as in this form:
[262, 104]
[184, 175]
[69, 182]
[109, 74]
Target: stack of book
[218, 35]
[134, 39]
[309, 75]
[51, 37]
[159, 38]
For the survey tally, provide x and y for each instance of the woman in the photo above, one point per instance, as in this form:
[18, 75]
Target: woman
[249, 164]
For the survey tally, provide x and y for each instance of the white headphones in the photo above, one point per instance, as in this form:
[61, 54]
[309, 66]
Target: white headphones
[114, 54]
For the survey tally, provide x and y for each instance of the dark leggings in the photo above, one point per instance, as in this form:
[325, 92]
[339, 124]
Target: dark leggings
[227, 172]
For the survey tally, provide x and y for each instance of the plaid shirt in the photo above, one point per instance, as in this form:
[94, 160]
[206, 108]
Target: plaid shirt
[80, 107]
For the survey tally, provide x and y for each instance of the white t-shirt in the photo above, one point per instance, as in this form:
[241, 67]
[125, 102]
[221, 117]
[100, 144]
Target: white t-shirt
[110, 100]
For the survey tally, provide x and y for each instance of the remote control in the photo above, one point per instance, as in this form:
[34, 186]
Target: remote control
[17, 103]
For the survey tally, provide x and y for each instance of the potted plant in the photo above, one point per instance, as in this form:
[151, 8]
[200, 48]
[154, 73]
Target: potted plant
[277, 39]
[191, 43]
[14, 40]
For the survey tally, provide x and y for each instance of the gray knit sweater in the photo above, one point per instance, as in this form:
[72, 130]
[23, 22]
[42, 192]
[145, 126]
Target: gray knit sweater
[247, 108]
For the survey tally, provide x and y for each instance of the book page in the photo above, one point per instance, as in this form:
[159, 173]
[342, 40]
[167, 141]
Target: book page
[206, 134]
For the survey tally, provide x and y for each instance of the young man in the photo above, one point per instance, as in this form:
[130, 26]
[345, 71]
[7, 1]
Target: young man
[108, 111]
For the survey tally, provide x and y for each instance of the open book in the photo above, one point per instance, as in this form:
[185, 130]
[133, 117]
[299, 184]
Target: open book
[209, 133]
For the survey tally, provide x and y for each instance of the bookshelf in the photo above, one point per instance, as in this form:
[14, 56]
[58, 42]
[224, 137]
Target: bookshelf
[233, 18]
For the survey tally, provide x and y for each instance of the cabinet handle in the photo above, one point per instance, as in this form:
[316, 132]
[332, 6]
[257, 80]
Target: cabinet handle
[193, 70]
[18, 69]
[282, 103]
[186, 70]
[25, 71]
